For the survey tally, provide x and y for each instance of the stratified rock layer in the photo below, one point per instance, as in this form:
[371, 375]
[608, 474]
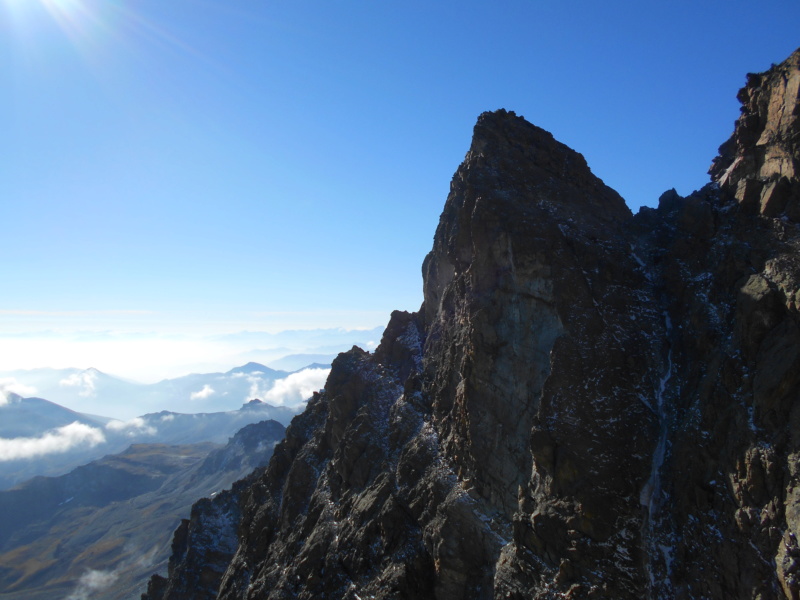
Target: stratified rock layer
[589, 404]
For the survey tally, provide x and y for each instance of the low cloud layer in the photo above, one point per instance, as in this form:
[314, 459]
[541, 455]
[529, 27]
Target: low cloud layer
[296, 388]
[11, 385]
[132, 428]
[58, 441]
[258, 387]
[206, 392]
[85, 381]
[92, 582]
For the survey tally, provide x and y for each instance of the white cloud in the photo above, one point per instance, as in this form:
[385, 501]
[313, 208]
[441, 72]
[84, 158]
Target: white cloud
[206, 392]
[57, 441]
[136, 426]
[10, 384]
[258, 387]
[92, 581]
[296, 388]
[84, 379]
[167, 418]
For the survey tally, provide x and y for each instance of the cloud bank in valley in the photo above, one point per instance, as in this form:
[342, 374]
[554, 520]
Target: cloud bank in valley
[92, 582]
[295, 389]
[60, 440]
[11, 385]
[206, 392]
[132, 428]
[85, 381]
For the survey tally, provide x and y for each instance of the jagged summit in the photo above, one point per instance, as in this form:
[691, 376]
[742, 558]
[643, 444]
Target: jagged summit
[502, 135]
[507, 144]
[589, 404]
[759, 164]
[516, 182]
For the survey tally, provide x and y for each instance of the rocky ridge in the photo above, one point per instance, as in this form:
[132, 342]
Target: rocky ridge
[589, 404]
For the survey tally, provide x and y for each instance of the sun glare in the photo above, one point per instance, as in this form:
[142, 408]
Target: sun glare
[75, 17]
[96, 29]
[78, 20]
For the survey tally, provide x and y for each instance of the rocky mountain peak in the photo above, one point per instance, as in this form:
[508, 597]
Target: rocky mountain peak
[502, 137]
[509, 151]
[588, 405]
[516, 182]
[759, 164]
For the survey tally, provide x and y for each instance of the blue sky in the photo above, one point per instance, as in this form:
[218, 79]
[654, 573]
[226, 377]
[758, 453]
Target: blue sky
[195, 168]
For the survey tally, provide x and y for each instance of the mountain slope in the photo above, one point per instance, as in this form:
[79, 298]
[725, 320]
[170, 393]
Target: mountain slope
[111, 519]
[30, 417]
[589, 404]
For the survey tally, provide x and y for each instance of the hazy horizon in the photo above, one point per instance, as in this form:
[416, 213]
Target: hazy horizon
[149, 357]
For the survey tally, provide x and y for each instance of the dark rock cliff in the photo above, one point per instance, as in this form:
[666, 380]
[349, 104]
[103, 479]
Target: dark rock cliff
[589, 404]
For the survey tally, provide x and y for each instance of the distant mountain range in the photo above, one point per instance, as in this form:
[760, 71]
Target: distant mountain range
[38, 437]
[100, 530]
[294, 362]
[94, 392]
[32, 417]
[74, 530]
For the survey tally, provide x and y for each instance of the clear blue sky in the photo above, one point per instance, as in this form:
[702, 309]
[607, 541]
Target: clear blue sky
[227, 165]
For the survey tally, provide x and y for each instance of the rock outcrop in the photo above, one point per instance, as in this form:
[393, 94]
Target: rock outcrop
[589, 404]
[759, 164]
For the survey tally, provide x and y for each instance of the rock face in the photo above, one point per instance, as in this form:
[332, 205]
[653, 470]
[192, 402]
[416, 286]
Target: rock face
[589, 404]
[759, 165]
